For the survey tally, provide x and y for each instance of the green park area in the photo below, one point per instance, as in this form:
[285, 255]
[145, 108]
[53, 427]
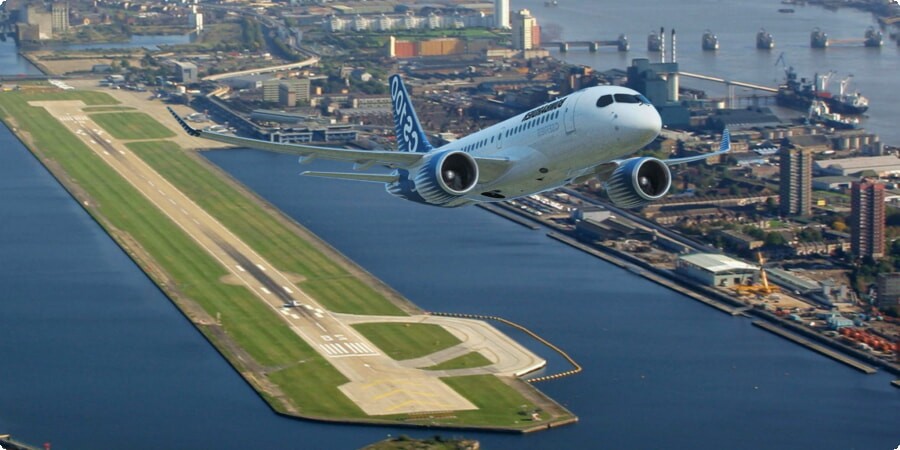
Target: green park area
[282, 367]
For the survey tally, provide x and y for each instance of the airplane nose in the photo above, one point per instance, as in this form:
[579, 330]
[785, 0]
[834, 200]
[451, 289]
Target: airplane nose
[644, 125]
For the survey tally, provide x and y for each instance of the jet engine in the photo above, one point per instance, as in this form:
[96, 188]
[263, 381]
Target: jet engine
[445, 177]
[638, 181]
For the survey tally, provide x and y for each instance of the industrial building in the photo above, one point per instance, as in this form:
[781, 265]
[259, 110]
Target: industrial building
[659, 83]
[889, 290]
[881, 166]
[186, 72]
[716, 270]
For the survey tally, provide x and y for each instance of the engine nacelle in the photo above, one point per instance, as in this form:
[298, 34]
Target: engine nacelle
[443, 179]
[639, 181]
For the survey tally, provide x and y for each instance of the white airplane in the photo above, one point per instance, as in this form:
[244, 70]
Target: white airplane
[568, 140]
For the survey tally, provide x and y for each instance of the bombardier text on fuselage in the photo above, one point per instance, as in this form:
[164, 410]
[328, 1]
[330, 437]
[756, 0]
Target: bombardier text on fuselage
[586, 134]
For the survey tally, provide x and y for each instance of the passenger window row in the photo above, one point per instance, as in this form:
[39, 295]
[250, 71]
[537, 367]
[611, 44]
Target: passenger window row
[515, 130]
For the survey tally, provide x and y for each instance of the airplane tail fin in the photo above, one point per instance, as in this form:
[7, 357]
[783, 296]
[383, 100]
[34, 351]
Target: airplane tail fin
[410, 137]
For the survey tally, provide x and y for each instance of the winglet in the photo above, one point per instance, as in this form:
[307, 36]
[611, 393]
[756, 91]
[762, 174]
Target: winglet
[410, 137]
[191, 131]
[725, 145]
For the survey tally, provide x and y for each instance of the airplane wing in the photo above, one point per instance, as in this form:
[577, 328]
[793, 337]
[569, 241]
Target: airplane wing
[603, 171]
[724, 147]
[362, 158]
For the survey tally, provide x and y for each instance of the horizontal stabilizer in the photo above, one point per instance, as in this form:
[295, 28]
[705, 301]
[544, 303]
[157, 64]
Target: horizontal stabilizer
[371, 177]
[309, 152]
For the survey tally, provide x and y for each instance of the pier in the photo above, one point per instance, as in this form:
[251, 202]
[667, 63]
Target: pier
[621, 44]
[732, 85]
[772, 328]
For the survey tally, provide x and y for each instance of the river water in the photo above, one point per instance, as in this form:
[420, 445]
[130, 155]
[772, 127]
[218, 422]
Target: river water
[94, 356]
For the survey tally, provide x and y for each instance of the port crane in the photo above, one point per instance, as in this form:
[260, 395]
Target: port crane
[761, 289]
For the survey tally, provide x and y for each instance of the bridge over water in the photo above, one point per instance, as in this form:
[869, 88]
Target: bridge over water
[621, 44]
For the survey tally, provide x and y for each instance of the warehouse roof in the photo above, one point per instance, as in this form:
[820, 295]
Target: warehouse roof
[716, 263]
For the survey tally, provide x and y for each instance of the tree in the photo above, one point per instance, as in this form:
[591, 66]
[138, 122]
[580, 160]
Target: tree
[775, 239]
[809, 235]
[839, 226]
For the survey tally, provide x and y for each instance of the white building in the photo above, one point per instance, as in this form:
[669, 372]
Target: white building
[501, 14]
[195, 19]
[716, 270]
[524, 29]
[882, 166]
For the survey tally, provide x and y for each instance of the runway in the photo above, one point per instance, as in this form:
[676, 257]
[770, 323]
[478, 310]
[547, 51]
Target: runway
[378, 384]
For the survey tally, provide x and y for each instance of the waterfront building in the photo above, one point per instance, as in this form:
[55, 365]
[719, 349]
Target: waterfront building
[186, 72]
[716, 270]
[882, 166]
[286, 92]
[287, 96]
[270, 90]
[888, 291]
[195, 19]
[867, 217]
[501, 14]
[526, 34]
[59, 12]
[795, 184]
[37, 23]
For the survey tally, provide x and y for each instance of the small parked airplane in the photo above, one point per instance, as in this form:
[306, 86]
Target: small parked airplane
[568, 140]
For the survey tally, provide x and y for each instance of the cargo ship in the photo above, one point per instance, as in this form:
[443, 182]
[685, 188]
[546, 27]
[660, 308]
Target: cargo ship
[819, 113]
[800, 93]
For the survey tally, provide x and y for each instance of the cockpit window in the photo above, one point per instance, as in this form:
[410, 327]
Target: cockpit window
[604, 101]
[643, 99]
[627, 98]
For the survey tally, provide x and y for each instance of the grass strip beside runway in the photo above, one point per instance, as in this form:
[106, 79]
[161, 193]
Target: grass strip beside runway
[324, 280]
[407, 340]
[498, 403]
[467, 361]
[131, 125]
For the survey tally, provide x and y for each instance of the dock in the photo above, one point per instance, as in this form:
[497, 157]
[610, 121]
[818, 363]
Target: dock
[772, 328]
[645, 272]
[507, 214]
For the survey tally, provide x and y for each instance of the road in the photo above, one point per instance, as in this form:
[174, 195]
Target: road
[379, 385]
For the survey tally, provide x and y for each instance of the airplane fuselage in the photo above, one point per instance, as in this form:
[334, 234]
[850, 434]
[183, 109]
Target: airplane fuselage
[557, 142]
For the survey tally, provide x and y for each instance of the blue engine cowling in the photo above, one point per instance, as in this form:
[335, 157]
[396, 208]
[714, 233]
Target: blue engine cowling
[638, 181]
[441, 181]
